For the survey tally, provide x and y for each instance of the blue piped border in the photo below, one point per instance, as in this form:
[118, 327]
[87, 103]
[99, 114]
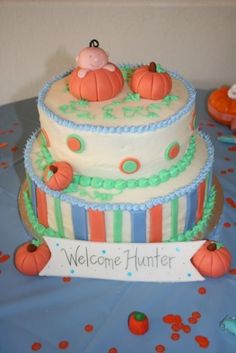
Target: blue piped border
[119, 129]
[119, 206]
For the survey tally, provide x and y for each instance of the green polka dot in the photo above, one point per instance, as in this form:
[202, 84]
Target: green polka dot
[130, 165]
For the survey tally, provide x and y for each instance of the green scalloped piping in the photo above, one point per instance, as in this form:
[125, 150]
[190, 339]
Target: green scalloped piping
[121, 184]
[187, 236]
[201, 226]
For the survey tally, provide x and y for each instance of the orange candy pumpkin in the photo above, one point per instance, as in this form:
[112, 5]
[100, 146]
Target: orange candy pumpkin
[138, 323]
[222, 108]
[212, 259]
[58, 175]
[30, 259]
[96, 85]
[149, 83]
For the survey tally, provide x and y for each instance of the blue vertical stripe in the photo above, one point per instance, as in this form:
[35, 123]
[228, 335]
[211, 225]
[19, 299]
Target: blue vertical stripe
[138, 226]
[33, 197]
[191, 210]
[79, 219]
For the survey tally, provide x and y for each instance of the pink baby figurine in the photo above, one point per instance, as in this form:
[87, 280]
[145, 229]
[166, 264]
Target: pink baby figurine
[93, 58]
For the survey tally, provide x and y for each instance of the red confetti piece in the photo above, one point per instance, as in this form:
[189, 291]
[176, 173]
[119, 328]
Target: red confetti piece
[66, 279]
[223, 172]
[160, 348]
[3, 144]
[113, 350]
[202, 290]
[175, 336]
[202, 341]
[88, 328]
[36, 346]
[227, 159]
[14, 149]
[232, 149]
[219, 133]
[230, 202]
[232, 271]
[227, 225]
[230, 170]
[196, 314]
[186, 328]
[10, 131]
[63, 344]
[192, 320]
[176, 327]
[4, 258]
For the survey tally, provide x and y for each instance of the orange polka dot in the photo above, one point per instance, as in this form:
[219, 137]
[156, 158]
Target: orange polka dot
[74, 144]
[113, 350]
[66, 279]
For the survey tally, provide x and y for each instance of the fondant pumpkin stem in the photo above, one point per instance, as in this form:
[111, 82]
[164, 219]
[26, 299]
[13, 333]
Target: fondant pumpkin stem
[53, 168]
[212, 247]
[31, 248]
[94, 43]
[152, 66]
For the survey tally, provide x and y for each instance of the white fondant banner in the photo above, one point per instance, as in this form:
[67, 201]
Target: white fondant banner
[153, 262]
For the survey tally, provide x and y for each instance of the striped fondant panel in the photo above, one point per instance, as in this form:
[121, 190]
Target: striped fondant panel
[138, 226]
[33, 197]
[200, 201]
[155, 224]
[160, 223]
[79, 220]
[97, 225]
[42, 211]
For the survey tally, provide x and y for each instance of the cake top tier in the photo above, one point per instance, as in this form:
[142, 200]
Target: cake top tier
[127, 112]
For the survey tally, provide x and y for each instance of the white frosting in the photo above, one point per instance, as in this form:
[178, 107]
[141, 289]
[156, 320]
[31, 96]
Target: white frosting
[142, 195]
[104, 152]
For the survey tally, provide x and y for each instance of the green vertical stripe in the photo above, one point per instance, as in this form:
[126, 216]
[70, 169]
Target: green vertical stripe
[29, 185]
[174, 217]
[117, 226]
[58, 214]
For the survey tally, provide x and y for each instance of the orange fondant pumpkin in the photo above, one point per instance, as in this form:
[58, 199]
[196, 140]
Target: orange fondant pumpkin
[138, 323]
[221, 107]
[149, 83]
[30, 259]
[58, 175]
[212, 259]
[96, 85]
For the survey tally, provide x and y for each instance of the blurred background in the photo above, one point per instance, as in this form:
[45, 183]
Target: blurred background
[39, 39]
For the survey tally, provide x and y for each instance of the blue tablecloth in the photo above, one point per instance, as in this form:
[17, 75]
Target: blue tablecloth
[90, 316]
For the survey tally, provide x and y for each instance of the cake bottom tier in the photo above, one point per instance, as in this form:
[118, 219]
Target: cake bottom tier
[181, 215]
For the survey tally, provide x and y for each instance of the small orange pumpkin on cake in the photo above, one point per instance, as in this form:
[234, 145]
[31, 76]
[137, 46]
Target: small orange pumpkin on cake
[151, 82]
[95, 79]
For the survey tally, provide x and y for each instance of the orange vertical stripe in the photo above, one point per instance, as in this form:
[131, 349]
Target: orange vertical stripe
[200, 200]
[156, 224]
[97, 225]
[42, 210]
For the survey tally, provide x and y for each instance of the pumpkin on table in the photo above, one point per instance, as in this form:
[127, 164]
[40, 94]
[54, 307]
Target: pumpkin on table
[151, 82]
[30, 259]
[212, 259]
[138, 323]
[222, 106]
[58, 175]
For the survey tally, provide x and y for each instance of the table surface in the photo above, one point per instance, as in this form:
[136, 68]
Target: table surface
[52, 314]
